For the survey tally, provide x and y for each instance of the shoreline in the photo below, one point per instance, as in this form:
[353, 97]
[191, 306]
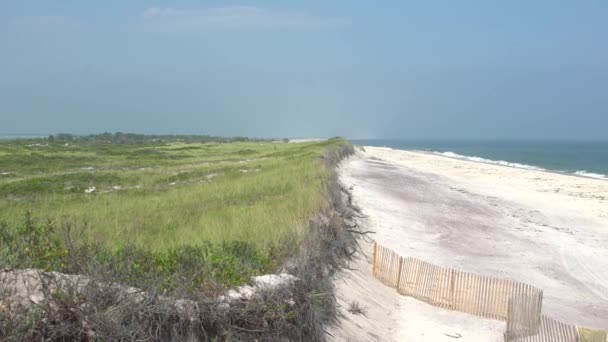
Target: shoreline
[495, 162]
[529, 167]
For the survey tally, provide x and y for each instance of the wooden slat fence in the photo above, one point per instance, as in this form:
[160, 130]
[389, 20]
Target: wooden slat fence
[522, 319]
[550, 330]
[517, 303]
[452, 289]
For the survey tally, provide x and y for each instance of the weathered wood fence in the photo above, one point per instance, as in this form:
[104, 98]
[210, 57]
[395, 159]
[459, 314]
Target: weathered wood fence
[549, 330]
[552, 330]
[517, 303]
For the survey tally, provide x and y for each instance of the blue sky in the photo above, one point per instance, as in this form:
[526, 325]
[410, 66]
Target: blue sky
[398, 69]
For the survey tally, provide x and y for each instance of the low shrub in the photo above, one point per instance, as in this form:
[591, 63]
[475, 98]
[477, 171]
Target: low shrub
[37, 245]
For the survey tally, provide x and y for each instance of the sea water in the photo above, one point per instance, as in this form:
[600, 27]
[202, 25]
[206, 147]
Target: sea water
[583, 158]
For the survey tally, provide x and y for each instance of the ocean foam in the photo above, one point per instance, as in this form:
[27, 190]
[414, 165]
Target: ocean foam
[490, 161]
[591, 174]
[582, 173]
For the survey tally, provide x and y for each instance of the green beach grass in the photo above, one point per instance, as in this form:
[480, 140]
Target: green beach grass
[238, 208]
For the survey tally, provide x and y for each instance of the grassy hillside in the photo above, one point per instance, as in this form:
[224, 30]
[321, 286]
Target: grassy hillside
[237, 208]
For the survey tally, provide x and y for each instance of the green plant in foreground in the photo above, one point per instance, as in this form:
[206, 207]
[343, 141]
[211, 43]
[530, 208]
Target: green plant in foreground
[35, 245]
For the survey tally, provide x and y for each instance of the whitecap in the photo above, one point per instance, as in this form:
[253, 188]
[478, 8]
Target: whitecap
[489, 161]
[590, 174]
[582, 173]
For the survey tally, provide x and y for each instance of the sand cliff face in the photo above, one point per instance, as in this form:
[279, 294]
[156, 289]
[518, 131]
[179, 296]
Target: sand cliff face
[546, 229]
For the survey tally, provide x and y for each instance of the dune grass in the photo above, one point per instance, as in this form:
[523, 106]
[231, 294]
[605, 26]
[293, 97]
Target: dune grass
[163, 196]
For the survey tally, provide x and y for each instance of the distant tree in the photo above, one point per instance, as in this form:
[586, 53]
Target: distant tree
[64, 137]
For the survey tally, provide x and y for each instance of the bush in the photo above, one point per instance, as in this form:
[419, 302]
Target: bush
[35, 245]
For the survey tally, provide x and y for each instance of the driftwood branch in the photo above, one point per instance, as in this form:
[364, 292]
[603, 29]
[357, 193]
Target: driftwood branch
[360, 232]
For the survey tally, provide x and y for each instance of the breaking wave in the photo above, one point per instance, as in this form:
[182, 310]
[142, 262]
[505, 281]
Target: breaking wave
[591, 174]
[490, 161]
[517, 165]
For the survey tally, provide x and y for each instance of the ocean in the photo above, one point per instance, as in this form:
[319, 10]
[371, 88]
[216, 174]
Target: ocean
[4, 136]
[588, 159]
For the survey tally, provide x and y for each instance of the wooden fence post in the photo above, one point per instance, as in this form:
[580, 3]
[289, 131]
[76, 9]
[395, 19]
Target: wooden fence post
[399, 273]
[374, 254]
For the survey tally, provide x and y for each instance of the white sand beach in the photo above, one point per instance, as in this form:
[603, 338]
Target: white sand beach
[546, 229]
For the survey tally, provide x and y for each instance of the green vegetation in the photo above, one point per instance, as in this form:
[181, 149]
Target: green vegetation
[592, 335]
[157, 206]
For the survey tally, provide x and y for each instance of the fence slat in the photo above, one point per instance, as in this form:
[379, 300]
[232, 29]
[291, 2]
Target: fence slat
[374, 253]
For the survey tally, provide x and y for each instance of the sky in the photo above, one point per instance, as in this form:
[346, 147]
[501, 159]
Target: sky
[361, 69]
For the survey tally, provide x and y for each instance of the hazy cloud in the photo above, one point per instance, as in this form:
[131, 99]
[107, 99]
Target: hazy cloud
[46, 23]
[231, 18]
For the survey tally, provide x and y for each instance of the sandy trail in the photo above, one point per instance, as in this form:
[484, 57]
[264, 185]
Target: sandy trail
[545, 229]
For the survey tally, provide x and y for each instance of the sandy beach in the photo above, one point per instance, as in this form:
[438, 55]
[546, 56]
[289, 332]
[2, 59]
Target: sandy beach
[546, 229]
